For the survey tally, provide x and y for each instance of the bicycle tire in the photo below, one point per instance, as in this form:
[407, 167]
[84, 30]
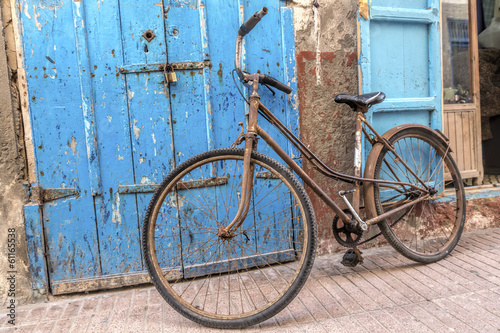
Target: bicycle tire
[274, 275]
[427, 231]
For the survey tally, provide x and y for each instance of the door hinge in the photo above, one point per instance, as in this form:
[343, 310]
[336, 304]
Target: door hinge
[363, 9]
[40, 195]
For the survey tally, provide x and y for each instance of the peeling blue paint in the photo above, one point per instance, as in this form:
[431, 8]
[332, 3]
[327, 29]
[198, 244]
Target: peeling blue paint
[113, 135]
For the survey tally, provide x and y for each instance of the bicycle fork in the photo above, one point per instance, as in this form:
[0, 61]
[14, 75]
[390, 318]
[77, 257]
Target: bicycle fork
[248, 166]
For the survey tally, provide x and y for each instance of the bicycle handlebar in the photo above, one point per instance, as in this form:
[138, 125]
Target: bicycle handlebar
[266, 79]
[252, 21]
[244, 29]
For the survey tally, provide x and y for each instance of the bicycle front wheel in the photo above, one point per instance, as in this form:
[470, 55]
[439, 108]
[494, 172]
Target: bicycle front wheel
[220, 281]
[428, 230]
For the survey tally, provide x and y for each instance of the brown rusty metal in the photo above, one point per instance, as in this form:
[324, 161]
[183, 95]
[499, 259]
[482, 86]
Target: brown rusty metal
[177, 66]
[410, 203]
[215, 181]
[185, 185]
[148, 35]
[387, 144]
[321, 167]
[304, 176]
[265, 175]
[40, 195]
[248, 166]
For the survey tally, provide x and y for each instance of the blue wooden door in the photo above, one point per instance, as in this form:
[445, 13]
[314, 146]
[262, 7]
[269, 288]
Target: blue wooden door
[107, 126]
[399, 54]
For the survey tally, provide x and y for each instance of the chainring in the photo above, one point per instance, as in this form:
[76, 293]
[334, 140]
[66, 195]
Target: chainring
[347, 235]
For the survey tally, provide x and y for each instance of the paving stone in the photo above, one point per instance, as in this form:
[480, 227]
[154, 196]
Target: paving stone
[387, 293]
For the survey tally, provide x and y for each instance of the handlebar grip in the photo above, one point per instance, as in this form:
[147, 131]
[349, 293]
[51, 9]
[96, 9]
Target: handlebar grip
[266, 79]
[252, 21]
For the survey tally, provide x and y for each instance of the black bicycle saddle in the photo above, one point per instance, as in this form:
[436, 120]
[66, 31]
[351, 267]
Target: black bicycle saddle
[361, 101]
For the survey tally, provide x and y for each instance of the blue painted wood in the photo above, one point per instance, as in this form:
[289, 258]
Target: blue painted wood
[87, 92]
[403, 14]
[400, 55]
[34, 240]
[292, 103]
[100, 131]
[53, 73]
[116, 215]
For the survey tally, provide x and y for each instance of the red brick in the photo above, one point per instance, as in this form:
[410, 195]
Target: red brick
[43, 327]
[332, 325]
[299, 312]
[314, 306]
[465, 273]
[426, 318]
[25, 328]
[401, 274]
[350, 324]
[369, 322]
[408, 323]
[387, 321]
[119, 315]
[153, 318]
[464, 315]
[343, 298]
[443, 315]
[361, 298]
[395, 296]
[379, 298]
[397, 285]
[54, 312]
[80, 324]
[327, 300]
[63, 325]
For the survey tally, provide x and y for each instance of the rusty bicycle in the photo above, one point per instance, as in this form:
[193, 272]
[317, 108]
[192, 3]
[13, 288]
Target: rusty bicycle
[230, 235]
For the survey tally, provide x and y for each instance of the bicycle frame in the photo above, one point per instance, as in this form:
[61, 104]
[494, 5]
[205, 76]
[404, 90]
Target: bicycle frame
[255, 130]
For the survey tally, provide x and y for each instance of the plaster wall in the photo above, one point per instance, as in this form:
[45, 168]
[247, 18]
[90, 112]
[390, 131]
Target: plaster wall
[12, 192]
[326, 46]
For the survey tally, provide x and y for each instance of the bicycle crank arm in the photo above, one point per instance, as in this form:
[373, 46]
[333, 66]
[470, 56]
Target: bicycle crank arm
[362, 224]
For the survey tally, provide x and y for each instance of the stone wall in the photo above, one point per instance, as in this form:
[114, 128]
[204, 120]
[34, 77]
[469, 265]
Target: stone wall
[12, 176]
[326, 46]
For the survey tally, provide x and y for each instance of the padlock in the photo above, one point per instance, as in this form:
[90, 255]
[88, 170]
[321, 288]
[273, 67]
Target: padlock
[170, 76]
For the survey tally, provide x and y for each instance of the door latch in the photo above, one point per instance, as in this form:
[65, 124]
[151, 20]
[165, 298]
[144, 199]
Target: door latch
[169, 73]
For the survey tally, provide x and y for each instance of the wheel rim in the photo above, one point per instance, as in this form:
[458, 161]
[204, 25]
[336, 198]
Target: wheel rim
[430, 227]
[227, 278]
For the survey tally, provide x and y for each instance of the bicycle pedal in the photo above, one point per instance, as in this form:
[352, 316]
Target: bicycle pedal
[352, 258]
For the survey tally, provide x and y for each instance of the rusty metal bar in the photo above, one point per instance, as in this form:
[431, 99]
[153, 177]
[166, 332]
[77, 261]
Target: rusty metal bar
[324, 169]
[148, 188]
[304, 176]
[248, 167]
[386, 143]
[177, 66]
[379, 218]
[40, 195]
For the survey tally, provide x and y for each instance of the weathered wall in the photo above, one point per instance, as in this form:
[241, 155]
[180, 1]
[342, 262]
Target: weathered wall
[12, 175]
[326, 46]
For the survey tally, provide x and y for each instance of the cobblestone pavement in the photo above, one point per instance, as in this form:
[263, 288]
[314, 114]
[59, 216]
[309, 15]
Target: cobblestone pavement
[387, 293]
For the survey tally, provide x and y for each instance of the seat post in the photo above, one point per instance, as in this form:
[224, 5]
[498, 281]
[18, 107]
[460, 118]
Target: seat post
[358, 158]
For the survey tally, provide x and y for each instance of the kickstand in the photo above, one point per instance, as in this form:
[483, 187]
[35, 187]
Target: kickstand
[352, 257]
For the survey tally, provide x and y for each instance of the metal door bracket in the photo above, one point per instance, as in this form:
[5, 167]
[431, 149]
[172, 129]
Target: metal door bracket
[39, 195]
[363, 9]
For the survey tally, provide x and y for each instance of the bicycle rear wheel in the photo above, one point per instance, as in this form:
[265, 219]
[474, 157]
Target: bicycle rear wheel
[426, 231]
[229, 282]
